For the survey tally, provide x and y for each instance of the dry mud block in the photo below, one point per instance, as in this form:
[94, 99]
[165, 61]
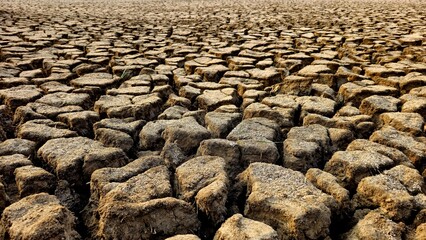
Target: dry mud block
[365, 145]
[136, 203]
[9, 163]
[350, 167]
[186, 132]
[256, 138]
[211, 99]
[204, 180]
[42, 130]
[17, 146]
[80, 122]
[393, 191]
[412, 123]
[61, 99]
[306, 147]
[375, 105]
[102, 80]
[34, 111]
[228, 150]
[376, 226]
[220, 124]
[257, 150]
[174, 112]
[239, 227]
[75, 159]
[114, 138]
[318, 105]
[355, 92]
[38, 216]
[184, 237]
[129, 126]
[8, 166]
[145, 107]
[285, 200]
[329, 184]
[409, 145]
[103, 177]
[283, 116]
[150, 136]
[411, 81]
[31, 180]
[347, 118]
[255, 128]
[20, 96]
[294, 85]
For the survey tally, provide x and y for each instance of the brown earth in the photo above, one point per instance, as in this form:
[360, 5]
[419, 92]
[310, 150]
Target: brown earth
[175, 119]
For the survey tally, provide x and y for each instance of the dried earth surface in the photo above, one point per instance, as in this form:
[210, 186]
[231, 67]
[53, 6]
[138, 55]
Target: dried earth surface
[185, 120]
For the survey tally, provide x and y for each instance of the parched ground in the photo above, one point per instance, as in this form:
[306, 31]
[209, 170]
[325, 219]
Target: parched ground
[212, 119]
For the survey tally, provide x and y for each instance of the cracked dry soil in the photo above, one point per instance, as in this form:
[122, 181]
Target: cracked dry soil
[223, 120]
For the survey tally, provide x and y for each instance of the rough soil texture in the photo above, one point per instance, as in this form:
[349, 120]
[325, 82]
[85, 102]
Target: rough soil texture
[175, 119]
